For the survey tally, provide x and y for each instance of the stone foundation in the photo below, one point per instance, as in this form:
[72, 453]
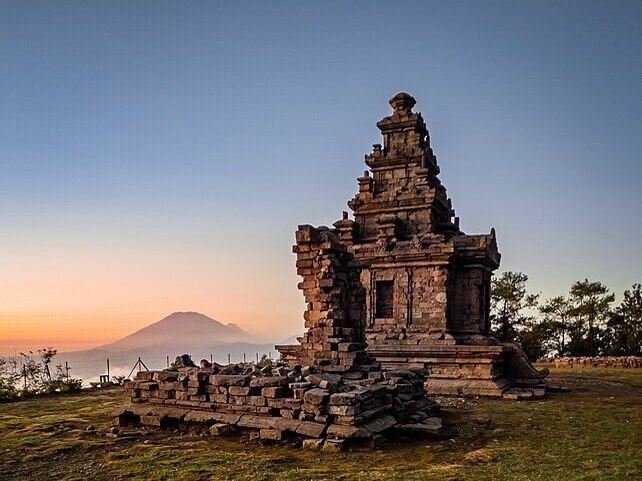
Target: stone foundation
[467, 370]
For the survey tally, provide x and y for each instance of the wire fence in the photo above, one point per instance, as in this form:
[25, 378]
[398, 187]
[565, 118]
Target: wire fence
[105, 369]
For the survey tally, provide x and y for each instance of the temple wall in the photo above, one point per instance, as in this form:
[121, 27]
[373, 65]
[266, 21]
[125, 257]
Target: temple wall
[470, 298]
[430, 299]
[465, 308]
[419, 300]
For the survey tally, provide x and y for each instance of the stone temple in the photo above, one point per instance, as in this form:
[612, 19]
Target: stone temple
[400, 287]
[414, 287]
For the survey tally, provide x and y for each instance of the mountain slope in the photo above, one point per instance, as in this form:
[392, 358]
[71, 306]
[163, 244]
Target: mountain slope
[180, 328]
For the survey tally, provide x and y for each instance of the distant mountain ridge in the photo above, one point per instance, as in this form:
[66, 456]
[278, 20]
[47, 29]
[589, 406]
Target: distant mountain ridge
[181, 332]
[186, 328]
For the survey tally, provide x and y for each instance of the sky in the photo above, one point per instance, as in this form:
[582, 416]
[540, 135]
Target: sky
[158, 156]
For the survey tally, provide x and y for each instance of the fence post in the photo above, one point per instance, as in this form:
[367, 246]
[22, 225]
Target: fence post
[168, 361]
[67, 369]
[108, 377]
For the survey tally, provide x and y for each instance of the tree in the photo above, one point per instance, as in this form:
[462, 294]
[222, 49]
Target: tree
[36, 373]
[625, 325]
[535, 339]
[9, 377]
[509, 299]
[590, 310]
[556, 316]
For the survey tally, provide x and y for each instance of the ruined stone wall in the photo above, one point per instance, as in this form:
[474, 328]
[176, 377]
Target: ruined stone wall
[596, 361]
[335, 314]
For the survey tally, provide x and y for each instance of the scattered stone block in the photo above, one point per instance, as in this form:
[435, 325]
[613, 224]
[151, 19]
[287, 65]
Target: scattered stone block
[337, 431]
[229, 380]
[239, 390]
[274, 392]
[271, 434]
[380, 424]
[316, 396]
[311, 429]
[313, 444]
[220, 429]
[150, 420]
[269, 381]
[333, 445]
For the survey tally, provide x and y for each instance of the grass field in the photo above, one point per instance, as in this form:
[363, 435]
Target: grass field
[592, 433]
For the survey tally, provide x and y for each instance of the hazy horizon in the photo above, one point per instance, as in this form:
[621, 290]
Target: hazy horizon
[63, 348]
[158, 157]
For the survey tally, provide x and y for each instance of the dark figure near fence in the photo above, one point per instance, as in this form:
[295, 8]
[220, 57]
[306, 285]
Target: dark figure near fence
[184, 360]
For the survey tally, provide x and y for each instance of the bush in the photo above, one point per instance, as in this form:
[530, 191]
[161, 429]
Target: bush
[32, 375]
[62, 385]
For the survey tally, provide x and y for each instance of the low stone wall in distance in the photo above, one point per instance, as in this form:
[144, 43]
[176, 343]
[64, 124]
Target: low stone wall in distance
[598, 361]
[273, 402]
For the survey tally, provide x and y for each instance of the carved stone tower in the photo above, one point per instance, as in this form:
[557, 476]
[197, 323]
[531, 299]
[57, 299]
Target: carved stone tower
[426, 284]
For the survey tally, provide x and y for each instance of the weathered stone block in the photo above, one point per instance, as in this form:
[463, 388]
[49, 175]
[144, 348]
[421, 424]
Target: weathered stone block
[333, 445]
[316, 396]
[343, 398]
[271, 434]
[150, 420]
[239, 390]
[274, 392]
[220, 429]
[269, 381]
[347, 432]
[229, 380]
[342, 410]
[311, 429]
[313, 444]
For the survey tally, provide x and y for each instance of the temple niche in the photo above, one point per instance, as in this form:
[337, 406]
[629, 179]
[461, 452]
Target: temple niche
[424, 294]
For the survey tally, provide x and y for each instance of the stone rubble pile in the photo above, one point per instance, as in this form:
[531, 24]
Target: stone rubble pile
[598, 361]
[275, 402]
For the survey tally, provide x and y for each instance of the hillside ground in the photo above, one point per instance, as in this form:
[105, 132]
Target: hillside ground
[592, 433]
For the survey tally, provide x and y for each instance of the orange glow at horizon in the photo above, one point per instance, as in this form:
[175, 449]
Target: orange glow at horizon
[78, 301]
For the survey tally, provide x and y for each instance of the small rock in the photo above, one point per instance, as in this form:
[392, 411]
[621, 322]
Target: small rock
[271, 434]
[219, 429]
[333, 445]
[312, 444]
